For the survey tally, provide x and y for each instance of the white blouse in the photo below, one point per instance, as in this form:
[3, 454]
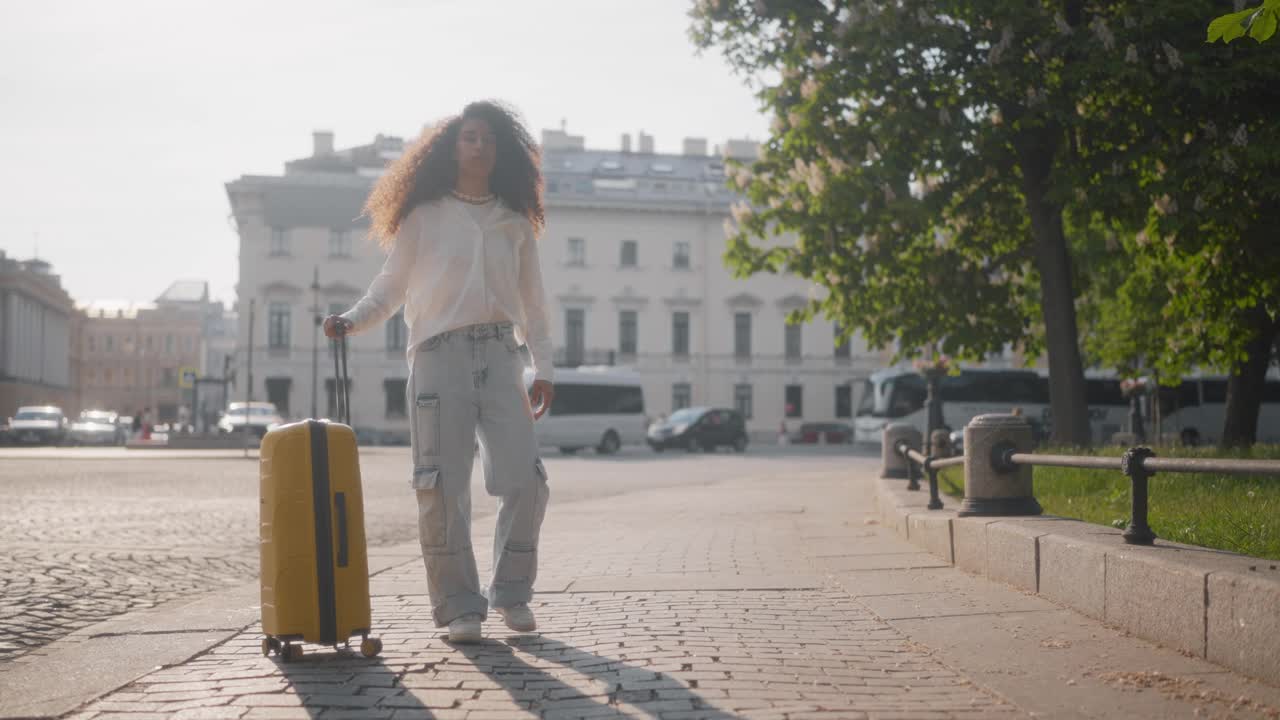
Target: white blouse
[450, 269]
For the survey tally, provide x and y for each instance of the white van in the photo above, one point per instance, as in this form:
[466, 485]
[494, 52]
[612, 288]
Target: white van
[600, 407]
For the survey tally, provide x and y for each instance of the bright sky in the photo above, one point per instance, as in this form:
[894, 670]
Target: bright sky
[122, 120]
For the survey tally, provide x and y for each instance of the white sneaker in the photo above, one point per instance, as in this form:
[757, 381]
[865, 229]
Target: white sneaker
[465, 629]
[519, 617]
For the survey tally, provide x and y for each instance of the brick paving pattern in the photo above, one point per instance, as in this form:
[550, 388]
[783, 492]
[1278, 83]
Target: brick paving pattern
[670, 655]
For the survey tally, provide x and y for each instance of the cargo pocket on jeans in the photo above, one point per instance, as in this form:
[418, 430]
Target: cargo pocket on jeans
[426, 430]
[433, 529]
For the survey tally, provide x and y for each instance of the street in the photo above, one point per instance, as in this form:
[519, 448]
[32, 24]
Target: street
[94, 533]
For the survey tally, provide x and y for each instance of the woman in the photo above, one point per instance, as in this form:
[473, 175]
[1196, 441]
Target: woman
[459, 213]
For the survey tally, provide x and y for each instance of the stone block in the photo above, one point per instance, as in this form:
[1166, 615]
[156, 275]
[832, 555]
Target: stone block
[1244, 621]
[1013, 555]
[1158, 596]
[931, 530]
[969, 544]
[1073, 571]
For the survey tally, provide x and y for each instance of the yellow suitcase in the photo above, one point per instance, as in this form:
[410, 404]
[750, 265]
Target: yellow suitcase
[315, 567]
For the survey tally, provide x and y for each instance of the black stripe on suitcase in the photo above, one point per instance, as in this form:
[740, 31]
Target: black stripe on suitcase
[324, 532]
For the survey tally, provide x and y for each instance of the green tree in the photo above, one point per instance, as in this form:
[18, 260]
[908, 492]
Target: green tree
[1196, 281]
[923, 153]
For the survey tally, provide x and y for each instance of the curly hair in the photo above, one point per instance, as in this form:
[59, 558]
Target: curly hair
[428, 170]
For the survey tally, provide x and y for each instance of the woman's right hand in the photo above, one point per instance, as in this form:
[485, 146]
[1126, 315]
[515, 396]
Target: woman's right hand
[336, 326]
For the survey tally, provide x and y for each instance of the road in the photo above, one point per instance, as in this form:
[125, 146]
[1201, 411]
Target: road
[93, 533]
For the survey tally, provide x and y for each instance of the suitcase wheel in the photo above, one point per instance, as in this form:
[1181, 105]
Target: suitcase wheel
[270, 645]
[291, 653]
[370, 647]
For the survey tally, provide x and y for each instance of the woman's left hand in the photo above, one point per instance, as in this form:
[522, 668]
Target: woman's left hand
[540, 396]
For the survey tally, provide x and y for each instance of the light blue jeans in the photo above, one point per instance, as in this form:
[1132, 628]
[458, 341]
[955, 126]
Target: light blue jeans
[467, 384]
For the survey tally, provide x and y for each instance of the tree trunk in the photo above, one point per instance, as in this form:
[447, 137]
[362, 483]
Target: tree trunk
[1244, 387]
[1068, 401]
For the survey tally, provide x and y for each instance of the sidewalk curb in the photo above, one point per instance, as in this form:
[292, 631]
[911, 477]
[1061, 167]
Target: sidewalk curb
[97, 660]
[1211, 604]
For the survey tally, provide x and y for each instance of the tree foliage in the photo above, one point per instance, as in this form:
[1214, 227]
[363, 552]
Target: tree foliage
[925, 155]
[1257, 22]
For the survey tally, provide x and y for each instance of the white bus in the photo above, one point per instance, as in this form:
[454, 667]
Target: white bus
[1191, 413]
[1195, 410]
[897, 395]
[598, 407]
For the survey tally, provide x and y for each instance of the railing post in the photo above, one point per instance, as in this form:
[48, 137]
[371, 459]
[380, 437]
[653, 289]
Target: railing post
[1138, 532]
[935, 502]
[893, 465]
[992, 484]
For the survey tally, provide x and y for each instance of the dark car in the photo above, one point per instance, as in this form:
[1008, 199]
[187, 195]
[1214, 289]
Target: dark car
[699, 428]
[831, 433]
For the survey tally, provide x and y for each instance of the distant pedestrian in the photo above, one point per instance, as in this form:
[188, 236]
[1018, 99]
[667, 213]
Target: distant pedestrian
[459, 214]
[146, 423]
[137, 424]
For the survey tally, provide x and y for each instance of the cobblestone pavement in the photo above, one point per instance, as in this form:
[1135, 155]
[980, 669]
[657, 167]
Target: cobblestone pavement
[88, 535]
[706, 601]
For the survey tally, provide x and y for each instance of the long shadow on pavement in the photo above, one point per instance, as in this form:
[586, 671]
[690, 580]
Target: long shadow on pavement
[610, 683]
[327, 683]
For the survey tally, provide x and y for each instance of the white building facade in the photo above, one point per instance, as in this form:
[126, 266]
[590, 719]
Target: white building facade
[632, 266]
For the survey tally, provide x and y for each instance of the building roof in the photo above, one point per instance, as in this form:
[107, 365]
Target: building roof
[186, 291]
[121, 309]
[329, 188]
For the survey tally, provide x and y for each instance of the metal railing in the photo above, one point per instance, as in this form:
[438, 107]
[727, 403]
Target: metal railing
[1139, 464]
[918, 462]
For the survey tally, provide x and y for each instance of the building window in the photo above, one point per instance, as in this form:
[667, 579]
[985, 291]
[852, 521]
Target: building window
[169, 377]
[742, 335]
[278, 393]
[106, 376]
[279, 241]
[742, 399]
[397, 331]
[627, 332]
[394, 389]
[110, 344]
[793, 341]
[168, 344]
[577, 252]
[92, 344]
[680, 333]
[128, 377]
[188, 343]
[151, 344]
[795, 401]
[680, 258]
[844, 401]
[339, 243]
[842, 348]
[628, 253]
[575, 335]
[278, 326]
[681, 395]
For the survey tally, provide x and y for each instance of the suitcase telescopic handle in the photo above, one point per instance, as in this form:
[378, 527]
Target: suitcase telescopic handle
[341, 382]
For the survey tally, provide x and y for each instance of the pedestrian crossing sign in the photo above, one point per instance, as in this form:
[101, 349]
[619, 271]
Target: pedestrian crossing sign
[187, 377]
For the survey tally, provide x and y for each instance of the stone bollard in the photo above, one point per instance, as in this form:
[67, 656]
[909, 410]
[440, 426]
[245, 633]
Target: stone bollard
[940, 444]
[991, 487]
[892, 465]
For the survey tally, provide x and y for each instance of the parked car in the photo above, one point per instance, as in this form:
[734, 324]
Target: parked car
[261, 417]
[699, 428]
[38, 425]
[831, 433]
[97, 427]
